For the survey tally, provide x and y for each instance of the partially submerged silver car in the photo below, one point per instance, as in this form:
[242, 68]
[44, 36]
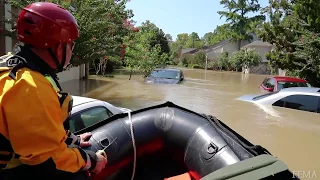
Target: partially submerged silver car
[299, 98]
[88, 111]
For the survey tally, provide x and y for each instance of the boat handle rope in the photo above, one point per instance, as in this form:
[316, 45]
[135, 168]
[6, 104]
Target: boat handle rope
[133, 145]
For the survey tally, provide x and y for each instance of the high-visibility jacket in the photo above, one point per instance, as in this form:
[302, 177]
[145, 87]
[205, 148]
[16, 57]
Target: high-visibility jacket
[32, 113]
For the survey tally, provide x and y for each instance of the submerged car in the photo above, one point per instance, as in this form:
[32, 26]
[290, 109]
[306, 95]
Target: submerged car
[276, 83]
[88, 111]
[165, 76]
[299, 98]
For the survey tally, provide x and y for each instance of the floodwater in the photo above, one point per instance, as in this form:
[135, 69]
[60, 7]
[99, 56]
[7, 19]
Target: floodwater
[291, 135]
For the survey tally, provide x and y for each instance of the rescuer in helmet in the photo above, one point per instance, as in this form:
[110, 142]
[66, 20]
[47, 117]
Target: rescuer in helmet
[33, 140]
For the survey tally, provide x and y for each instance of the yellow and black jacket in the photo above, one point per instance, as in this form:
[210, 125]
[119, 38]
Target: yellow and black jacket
[33, 140]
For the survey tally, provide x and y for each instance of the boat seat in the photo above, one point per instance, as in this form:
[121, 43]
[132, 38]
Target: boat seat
[185, 176]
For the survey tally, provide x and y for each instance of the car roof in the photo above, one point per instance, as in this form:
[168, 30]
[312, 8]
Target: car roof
[164, 69]
[77, 100]
[287, 79]
[301, 89]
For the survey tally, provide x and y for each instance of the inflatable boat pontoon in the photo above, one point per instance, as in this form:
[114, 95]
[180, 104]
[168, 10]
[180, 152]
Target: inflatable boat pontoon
[170, 140]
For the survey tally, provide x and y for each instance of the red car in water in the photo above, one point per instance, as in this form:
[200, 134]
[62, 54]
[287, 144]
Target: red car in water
[276, 83]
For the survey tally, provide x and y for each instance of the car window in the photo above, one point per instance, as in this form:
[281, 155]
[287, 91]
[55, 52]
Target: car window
[282, 85]
[169, 74]
[279, 103]
[87, 118]
[299, 102]
[270, 83]
[318, 105]
[265, 81]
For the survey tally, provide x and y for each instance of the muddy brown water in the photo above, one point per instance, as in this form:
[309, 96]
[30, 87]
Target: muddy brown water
[291, 135]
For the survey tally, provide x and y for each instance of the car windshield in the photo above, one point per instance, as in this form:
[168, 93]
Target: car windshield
[282, 85]
[264, 96]
[168, 74]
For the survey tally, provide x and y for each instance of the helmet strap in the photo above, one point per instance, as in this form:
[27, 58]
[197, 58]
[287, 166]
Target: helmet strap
[54, 57]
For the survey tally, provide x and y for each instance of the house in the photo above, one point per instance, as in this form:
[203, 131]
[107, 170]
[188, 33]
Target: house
[229, 46]
[7, 44]
[184, 51]
[262, 48]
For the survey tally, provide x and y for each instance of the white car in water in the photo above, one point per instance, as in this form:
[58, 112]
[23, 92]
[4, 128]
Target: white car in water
[299, 98]
[88, 111]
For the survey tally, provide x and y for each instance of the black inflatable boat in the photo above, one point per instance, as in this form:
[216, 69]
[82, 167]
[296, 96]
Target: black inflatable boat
[170, 140]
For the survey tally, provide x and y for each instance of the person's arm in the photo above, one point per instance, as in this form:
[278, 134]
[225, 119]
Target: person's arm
[35, 126]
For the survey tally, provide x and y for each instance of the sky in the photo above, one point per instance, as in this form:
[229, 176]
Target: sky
[180, 16]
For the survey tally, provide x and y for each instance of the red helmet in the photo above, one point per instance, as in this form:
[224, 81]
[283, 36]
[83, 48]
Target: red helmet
[44, 25]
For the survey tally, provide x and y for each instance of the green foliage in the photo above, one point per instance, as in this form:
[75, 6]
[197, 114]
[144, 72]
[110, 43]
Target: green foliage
[241, 25]
[102, 24]
[148, 49]
[152, 59]
[196, 60]
[245, 58]
[294, 30]
[223, 61]
[185, 41]
[239, 59]
[238, 27]
[219, 34]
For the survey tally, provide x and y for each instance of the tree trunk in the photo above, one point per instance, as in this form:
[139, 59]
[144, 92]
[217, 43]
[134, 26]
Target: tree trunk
[86, 76]
[130, 74]
[239, 44]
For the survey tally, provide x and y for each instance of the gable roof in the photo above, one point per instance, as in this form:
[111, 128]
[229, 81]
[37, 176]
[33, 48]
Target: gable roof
[210, 47]
[258, 43]
[186, 50]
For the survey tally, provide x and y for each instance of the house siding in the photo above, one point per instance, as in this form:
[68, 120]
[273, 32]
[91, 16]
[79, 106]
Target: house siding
[262, 50]
[2, 27]
[227, 46]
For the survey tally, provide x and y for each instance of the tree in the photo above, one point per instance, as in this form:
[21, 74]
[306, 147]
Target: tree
[293, 29]
[223, 61]
[193, 41]
[153, 36]
[236, 15]
[150, 49]
[102, 25]
[169, 38]
[219, 34]
[245, 58]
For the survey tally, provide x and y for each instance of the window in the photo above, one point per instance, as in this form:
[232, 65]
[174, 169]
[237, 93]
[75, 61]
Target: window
[319, 105]
[87, 118]
[299, 102]
[168, 74]
[282, 85]
[265, 81]
[270, 83]
[279, 103]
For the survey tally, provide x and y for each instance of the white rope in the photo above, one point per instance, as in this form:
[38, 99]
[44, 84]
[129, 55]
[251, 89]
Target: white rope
[134, 146]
